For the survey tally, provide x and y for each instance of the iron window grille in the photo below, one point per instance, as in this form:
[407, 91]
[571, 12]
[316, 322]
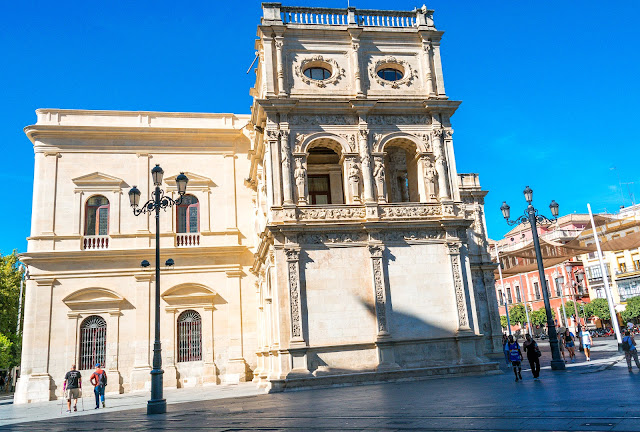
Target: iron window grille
[93, 342]
[189, 336]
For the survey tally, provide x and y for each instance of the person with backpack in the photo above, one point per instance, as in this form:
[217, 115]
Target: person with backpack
[99, 381]
[515, 356]
[630, 350]
[533, 355]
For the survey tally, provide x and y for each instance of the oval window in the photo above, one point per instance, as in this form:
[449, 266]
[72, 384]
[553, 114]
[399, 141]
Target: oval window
[317, 73]
[389, 74]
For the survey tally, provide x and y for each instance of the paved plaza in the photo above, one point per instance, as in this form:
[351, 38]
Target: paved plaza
[600, 395]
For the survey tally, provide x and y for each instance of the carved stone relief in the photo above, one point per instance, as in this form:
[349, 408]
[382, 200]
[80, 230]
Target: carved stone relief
[332, 213]
[394, 236]
[454, 252]
[392, 120]
[293, 256]
[337, 72]
[415, 211]
[338, 119]
[407, 77]
[379, 176]
[324, 238]
[376, 252]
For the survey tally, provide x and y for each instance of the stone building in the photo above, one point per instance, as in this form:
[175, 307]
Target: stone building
[326, 238]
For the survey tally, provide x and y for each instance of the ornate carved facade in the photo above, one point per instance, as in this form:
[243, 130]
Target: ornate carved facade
[389, 239]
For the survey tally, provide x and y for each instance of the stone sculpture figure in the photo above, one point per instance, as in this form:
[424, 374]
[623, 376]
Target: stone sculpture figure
[430, 179]
[300, 175]
[378, 174]
[354, 181]
[441, 166]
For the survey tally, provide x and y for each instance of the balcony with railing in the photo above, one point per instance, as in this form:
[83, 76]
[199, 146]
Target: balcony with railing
[95, 242]
[187, 239]
[275, 13]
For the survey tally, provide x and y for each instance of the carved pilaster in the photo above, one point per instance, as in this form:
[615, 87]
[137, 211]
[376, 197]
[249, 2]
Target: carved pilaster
[300, 175]
[380, 291]
[458, 284]
[429, 170]
[444, 192]
[379, 176]
[285, 160]
[365, 158]
[279, 65]
[295, 297]
[353, 175]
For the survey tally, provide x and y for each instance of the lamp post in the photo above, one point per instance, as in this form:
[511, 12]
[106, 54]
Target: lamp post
[157, 404]
[533, 218]
[560, 287]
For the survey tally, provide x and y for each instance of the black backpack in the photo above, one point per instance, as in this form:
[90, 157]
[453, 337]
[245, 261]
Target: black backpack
[102, 379]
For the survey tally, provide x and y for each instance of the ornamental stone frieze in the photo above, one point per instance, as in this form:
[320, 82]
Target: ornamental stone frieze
[396, 211]
[295, 297]
[379, 287]
[392, 120]
[332, 238]
[323, 119]
[458, 284]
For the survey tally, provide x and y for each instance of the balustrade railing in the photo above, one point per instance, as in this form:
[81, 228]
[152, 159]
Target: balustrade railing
[350, 16]
[95, 242]
[187, 239]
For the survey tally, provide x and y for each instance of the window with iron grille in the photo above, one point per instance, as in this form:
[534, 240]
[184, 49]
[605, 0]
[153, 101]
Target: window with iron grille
[187, 215]
[93, 342]
[189, 336]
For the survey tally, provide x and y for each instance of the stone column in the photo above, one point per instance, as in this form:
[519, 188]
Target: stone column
[437, 66]
[113, 346]
[236, 364]
[78, 213]
[428, 62]
[71, 356]
[444, 192]
[140, 378]
[355, 60]
[267, 41]
[272, 141]
[209, 373]
[144, 185]
[230, 185]
[365, 158]
[300, 175]
[458, 285]
[114, 212]
[169, 348]
[384, 344]
[48, 200]
[380, 177]
[280, 65]
[268, 173]
[285, 159]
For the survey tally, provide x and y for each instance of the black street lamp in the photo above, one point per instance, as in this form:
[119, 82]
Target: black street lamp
[533, 218]
[157, 404]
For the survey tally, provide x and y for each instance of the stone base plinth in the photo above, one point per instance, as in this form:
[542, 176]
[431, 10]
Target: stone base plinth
[114, 382]
[141, 378]
[379, 376]
[34, 388]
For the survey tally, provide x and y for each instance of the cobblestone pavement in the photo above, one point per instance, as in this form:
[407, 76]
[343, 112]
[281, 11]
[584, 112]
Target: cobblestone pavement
[596, 396]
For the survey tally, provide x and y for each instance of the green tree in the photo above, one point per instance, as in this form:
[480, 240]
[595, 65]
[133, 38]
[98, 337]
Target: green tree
[632, 311]
[539, 317]
[10, 276]
[517, 314]
[599, 308]
[6, 352]
[503, 321]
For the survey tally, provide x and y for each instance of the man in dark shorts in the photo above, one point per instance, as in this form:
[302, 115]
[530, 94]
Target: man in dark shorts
[72, 387]
[515, 356]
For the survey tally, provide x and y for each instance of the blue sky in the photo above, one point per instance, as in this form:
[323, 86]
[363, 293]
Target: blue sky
[549, 89]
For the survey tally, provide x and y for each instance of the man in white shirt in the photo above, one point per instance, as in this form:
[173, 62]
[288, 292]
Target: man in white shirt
[585, 338]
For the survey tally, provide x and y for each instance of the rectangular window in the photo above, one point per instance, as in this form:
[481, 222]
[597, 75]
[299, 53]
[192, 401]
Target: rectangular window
[319, 190]
[536, 288]
[558, 289]
[518, 298]
[509, 299]
[103, 223]
[193, 219]
[500, 297]
[548, 287]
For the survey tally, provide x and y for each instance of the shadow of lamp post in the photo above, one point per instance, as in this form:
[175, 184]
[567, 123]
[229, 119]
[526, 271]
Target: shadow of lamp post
[533, 218]
[157, 404]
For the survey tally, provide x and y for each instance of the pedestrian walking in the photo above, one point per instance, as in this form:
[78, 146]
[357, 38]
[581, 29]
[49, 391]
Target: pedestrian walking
[570, 344]
[505, 349]
[99, 381]
[515, 356]
[585, 337]
[630, 350]
[72, 387]
[533, 355]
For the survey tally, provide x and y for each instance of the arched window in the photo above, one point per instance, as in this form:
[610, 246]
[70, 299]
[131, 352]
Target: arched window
[93, 342]
[187, 215]
[324, 175]
[402, 171]
[97, 219]
[189, 336]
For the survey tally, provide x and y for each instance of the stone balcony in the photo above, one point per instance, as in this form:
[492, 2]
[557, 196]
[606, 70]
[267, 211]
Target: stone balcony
[95, 242]
[276, 14]
[361, 213]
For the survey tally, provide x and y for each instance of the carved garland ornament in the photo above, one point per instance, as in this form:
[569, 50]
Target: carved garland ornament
[331, 238]
[378, 282]
[454, 251]
[336, 71]
[408, 74]
[294, 292]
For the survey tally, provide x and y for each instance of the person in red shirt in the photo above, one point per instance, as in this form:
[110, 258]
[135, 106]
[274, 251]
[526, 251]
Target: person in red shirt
[99, 381]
